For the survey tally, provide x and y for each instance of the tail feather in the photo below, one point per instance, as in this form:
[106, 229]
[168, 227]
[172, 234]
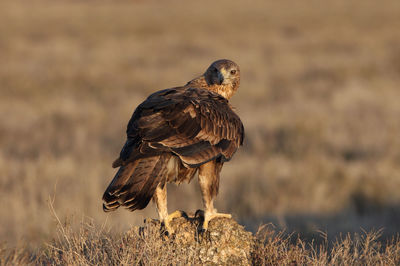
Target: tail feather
[111, 196]
[134, 184]
[144, 196]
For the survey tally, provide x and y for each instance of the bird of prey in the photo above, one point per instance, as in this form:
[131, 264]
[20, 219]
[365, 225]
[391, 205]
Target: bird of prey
[172, 135]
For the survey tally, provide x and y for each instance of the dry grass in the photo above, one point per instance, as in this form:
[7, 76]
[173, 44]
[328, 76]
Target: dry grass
[94, 245]
[319, 100]
[359, 249]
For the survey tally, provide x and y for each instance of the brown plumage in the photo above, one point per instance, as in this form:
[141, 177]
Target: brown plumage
[173, 134]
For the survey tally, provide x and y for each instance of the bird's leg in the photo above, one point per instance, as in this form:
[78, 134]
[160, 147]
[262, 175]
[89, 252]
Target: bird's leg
[209, 182]
[160, 197]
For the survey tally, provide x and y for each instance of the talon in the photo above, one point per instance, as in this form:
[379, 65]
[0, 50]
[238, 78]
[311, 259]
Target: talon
[168, 230]
[199, 214]
[203, 235]
[167, 221]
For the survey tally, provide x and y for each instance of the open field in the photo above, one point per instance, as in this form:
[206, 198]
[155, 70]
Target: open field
[319, 99]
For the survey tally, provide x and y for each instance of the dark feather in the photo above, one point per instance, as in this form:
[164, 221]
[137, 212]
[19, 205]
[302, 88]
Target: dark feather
[195, 124]
[138, 197]
[133, 186]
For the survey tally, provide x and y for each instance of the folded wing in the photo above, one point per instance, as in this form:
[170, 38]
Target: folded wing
[195, 124]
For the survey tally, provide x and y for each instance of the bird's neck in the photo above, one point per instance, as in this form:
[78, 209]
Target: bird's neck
[225, 91]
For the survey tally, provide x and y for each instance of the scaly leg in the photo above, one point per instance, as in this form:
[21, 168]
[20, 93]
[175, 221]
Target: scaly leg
[160, 197]
[209, 183]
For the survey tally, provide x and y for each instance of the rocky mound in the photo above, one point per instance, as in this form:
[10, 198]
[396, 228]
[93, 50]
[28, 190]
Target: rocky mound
[225, 242]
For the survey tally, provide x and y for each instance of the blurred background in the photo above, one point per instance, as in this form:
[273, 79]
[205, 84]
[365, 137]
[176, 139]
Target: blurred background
[319, 99]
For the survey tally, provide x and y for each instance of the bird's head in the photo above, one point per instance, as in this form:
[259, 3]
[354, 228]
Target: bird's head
[224, 77]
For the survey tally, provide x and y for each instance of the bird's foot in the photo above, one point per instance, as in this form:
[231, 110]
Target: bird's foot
[208, 217]
[167, 221]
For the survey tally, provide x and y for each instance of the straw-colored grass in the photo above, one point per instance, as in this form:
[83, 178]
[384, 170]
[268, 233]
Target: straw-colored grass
[319, 99]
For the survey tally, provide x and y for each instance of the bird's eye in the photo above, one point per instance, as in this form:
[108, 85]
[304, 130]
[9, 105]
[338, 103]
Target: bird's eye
[215, 70]
[233, 72]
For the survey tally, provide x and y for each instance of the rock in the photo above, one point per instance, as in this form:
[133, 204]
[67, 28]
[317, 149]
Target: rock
[225, 242]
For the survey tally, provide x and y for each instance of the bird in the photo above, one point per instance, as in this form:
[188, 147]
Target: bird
[174, 134]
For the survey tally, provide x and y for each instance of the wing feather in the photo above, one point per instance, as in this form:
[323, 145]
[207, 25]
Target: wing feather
[195, 124]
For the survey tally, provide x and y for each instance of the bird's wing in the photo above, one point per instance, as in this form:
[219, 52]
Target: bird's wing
[195, 124]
